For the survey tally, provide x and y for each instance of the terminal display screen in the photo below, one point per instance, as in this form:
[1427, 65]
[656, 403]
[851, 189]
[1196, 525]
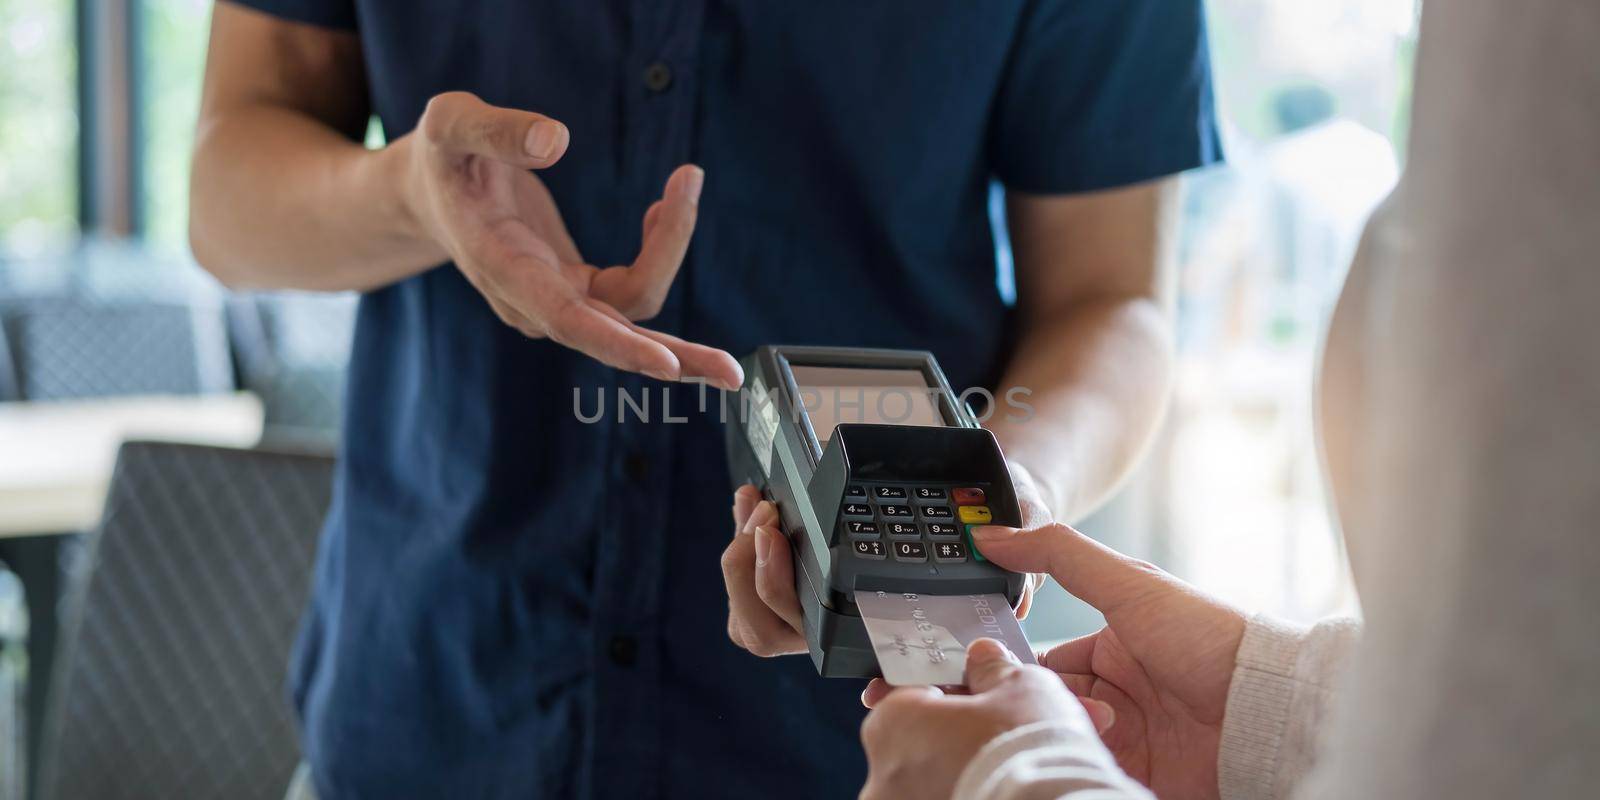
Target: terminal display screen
[831, 395]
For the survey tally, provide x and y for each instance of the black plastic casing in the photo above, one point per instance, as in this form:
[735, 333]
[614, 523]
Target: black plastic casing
[808, 483]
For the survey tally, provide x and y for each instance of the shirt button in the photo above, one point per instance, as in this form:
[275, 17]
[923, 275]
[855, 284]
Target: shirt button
[636, 467]
[624, 650]
[657, 76]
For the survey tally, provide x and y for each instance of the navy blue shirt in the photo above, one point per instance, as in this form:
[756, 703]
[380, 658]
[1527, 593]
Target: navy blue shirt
[510, 602]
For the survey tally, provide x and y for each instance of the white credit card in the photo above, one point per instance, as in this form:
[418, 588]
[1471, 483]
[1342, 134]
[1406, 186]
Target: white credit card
[922, 639]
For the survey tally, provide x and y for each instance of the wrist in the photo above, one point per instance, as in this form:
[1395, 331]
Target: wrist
[396, 170]
[1051, 490]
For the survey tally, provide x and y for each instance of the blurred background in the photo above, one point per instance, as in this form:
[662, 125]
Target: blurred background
[109, 332]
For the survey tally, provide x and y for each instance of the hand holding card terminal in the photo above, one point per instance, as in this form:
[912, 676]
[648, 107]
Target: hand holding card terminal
[878, 473]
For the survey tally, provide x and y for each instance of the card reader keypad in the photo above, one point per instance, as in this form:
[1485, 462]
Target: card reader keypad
[912, 523]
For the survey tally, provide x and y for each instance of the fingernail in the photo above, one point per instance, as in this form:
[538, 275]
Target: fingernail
[543, 138]
[755, 514]
[992, 533]
[1010, 656]
[692, 184]
[986, 649]
[1101, 714]
[763, 545]
[661, 375]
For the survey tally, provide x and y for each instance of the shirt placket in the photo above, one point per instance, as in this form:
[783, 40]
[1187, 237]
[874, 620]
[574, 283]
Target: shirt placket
[625, 737]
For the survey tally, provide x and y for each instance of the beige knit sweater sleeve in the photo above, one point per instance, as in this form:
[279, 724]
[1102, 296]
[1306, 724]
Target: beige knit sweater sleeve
[1281, 692]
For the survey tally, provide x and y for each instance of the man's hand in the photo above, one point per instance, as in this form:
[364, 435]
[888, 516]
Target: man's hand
[758, 568]
[919, 740]
[469, 187]
[1163, 663]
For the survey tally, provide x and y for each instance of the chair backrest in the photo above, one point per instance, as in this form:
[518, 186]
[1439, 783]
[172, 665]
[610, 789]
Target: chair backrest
[8, 376]
[291, 350]
[171, 681]
[64, 347]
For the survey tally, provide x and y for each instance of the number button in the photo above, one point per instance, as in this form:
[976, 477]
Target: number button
[859, 528]
[897, 512]
[929, 493]
[976, 515]
[855, 490]
[901, 529]
[936, 512]
[910, 551]
[889, 492]
[868, 548]
[943, 529]
[970, 497]
[949, 551]
[857, 510]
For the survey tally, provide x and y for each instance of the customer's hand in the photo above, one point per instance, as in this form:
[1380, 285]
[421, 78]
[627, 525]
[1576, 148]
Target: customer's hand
[758, 568]
[469, 187]
[919, 740]
[1163, 662]
[1035, 513]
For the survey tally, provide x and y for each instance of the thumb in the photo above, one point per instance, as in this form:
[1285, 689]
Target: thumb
[1090, 571]
[989, 664]
[461, 123]
[1100, 713]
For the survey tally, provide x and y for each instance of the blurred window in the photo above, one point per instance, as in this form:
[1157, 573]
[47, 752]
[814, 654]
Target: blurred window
[172, 51]
[38, 127]
[1314, 100]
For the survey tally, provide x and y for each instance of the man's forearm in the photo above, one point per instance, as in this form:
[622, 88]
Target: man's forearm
[1098, 378]
[280, 200]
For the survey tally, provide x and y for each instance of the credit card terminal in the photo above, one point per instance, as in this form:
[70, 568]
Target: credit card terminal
[878, 472]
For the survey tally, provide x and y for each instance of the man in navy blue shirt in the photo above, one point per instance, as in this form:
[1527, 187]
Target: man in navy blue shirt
[513, 602]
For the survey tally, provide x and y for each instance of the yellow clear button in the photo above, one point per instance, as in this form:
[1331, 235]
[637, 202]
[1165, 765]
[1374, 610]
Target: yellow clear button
[975, 515]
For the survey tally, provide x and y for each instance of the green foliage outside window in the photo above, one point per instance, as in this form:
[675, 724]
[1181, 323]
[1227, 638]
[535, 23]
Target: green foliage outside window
[38, 127]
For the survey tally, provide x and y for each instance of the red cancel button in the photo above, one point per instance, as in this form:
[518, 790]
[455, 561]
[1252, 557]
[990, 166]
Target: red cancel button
[968, 497]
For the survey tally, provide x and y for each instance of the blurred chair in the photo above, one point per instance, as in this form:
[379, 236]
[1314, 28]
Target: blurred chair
[172, 674]
[65, 347]
[8, 375]
[13, 682]
[291, 350]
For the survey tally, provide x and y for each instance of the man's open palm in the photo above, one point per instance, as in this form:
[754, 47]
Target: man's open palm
[471, 188]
